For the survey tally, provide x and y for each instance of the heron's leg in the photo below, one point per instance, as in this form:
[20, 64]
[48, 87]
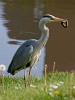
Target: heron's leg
[29, 76]
[24, 78]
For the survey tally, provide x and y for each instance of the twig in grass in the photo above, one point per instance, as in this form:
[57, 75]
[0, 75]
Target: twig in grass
[2, 68]
[54, 67]
[3, 83]
[45, 73]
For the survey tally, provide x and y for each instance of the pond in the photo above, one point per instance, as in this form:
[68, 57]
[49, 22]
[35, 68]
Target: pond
[19, 22]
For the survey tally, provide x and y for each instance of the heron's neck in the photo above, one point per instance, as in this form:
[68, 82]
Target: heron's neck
[45, 34]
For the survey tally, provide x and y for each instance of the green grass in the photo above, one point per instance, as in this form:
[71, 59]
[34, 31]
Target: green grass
[57, 87]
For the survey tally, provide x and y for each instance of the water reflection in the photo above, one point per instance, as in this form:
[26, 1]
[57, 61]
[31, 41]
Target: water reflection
[15, 42]
[38, 9]
[23, 17]
[3, 35]
[19, 31]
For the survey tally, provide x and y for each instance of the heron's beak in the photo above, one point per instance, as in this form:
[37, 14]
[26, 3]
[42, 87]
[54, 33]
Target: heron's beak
[56, 19]
[64, 22]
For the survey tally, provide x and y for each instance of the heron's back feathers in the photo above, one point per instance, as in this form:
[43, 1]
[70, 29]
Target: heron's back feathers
[23, 57]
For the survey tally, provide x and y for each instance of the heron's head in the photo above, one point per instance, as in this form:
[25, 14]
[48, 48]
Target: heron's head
[50, 18]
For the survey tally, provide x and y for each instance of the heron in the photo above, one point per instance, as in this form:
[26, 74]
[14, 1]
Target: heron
[29, 52]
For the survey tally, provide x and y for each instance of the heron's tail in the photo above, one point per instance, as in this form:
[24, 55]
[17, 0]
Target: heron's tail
[10, 70]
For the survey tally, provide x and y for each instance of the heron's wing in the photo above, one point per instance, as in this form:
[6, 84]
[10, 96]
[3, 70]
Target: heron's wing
[21, 57]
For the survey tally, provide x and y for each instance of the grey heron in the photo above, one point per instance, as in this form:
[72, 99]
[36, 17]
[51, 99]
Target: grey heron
[29, 52]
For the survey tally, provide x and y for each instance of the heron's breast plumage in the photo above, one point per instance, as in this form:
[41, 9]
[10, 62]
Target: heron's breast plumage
[37, 56]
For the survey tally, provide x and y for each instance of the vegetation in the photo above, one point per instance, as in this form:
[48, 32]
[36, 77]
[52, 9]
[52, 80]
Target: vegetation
[56, 86]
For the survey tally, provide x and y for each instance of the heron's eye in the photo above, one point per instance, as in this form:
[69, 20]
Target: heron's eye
[51, 18]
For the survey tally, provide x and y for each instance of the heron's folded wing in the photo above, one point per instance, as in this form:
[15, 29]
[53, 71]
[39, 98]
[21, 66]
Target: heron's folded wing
[21, 57]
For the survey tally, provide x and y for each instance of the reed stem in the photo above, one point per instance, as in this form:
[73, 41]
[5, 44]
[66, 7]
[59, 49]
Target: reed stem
[54, 67]
[45, 73]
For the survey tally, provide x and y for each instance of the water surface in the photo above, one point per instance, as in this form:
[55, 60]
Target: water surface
[19, 22]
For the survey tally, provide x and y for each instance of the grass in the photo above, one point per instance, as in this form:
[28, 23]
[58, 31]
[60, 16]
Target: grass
[58, 86]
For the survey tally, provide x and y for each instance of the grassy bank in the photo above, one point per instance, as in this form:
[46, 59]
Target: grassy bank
[58, 86]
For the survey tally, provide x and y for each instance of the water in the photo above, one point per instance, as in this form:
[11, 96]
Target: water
[19, 22]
